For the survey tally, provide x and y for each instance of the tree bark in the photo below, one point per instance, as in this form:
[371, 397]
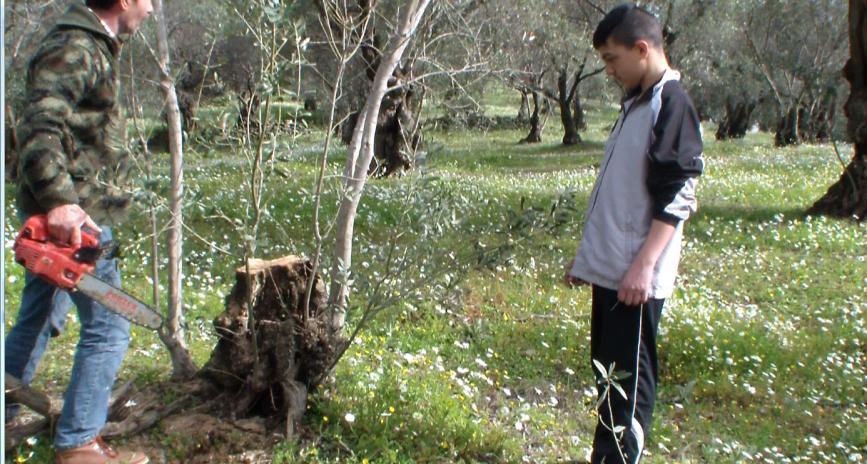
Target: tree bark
[17, 392]
[173, 336]
[267, 367]
[11, 144]
[578, 112]
[848, 196]
[787, 131]
[524, 110]
[816, 121]
[736, 121]
[359, 156]
[397, 132]
[535, 134]
[564, 98]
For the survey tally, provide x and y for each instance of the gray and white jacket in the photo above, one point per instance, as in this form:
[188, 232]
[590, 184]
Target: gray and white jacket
[653, 158]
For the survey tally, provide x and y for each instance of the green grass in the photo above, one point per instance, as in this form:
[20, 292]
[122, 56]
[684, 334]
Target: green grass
[762, 346]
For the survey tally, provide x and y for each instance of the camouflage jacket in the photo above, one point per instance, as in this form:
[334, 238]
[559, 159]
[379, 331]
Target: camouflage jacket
[72, 135]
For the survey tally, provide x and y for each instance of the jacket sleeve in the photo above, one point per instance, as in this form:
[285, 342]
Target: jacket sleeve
[675, 157]
[58, 80]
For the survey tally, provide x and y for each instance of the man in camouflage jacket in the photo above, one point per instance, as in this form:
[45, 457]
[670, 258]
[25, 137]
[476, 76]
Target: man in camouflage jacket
[73, 166]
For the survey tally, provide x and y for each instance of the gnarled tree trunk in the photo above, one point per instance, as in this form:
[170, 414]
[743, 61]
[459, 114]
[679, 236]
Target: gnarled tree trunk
[787, 131]
[564, 98]
[398, 133]
[268, 368]
[817, 119]
[578, 112]
[397, 129]
[536, 123]
[848, 197]
[571, 112]
[524, 110]
[736, 121]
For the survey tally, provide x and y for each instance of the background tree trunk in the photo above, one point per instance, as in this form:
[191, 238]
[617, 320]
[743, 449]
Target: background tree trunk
[787, 132]
[535, 135]
[848, 197]
[816, 121]
[524, 110]
[397, 131]
[578, 112]
[172, 335]
[564, 98]
[736, 121]
[397, 134]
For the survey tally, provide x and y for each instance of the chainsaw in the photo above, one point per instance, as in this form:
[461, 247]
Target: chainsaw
[71, 268]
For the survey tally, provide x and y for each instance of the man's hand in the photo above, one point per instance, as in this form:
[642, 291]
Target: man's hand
[65, 222]
[635, 286]
[570, 280]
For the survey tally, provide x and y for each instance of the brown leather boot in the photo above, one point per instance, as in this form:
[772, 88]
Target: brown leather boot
[97, 452]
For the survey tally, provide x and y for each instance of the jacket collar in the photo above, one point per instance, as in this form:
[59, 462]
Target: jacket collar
[79, 16]
[636, 96]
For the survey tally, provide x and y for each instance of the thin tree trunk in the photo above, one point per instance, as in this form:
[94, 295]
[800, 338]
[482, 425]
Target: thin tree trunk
[172, 335]
[358, 160]
[848, 196]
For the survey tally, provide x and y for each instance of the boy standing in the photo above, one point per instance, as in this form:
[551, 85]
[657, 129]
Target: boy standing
[631, 244]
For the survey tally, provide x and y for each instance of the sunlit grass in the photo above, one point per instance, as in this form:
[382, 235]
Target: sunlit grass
[762, 344]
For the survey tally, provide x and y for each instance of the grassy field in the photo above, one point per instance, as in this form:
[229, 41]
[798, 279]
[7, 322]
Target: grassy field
[762, 345]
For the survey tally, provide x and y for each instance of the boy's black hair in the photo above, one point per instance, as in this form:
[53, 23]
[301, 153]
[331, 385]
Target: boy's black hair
[627, 24]
[101, 4]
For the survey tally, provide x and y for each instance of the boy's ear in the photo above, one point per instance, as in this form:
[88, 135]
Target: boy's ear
[643, 48]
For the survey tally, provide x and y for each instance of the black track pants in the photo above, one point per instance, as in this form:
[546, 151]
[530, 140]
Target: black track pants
[614, 338]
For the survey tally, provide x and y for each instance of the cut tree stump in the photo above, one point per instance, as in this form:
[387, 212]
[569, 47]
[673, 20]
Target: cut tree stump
[267, 359]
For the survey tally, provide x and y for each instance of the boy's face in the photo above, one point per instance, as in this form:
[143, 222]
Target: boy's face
[627, 65]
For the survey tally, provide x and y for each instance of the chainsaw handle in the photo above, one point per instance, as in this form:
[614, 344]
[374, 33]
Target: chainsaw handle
[36, 228]
[56, 263]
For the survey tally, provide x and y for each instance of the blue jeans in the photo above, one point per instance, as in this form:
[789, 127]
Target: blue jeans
[102, 344]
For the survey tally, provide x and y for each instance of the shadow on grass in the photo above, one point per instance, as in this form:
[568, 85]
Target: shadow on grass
[512, 156]
[747, 213]
[586, 147]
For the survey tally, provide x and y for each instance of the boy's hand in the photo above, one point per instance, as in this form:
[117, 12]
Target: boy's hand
[65, 222]
[635, 286]
[570, 280]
